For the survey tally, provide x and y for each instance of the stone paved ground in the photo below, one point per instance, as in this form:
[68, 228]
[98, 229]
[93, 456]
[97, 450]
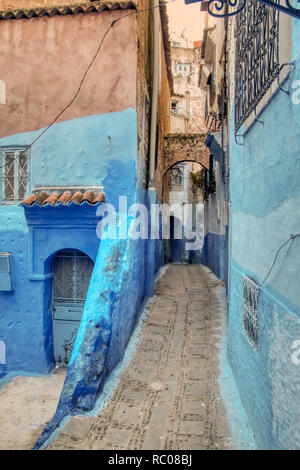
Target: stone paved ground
[168, 397]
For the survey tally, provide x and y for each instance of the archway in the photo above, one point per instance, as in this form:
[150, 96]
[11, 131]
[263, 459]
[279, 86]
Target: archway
[71, 270]
[183, 185]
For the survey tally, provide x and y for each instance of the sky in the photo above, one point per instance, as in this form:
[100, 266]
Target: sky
[185, 19]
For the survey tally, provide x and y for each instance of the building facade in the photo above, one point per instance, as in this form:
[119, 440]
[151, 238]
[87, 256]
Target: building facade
[75, 136]
[187, 104]
[212, 78]
[264, 321]
[260, 162]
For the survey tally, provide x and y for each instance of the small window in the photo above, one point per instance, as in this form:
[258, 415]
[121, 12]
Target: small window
[5, 272]
[183, 67]
[250, 311]
[15, 169]
[174, 106]
[176, 179]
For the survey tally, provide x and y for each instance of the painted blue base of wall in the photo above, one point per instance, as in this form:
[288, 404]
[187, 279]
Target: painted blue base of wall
[123, 275]
[268, 380]
[215, 255]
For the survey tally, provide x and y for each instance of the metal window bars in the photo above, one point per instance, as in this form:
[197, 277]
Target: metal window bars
[250, 311]
[256, 57]
[15, 174]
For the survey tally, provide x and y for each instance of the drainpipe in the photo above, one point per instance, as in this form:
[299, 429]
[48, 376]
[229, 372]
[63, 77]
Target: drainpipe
[154, 104]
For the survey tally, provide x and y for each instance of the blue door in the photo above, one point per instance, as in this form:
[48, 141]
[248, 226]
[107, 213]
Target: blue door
[72, 271]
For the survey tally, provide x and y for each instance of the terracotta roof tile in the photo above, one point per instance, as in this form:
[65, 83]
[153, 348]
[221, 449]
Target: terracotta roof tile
[65, 198]
[77, 197]
[52, 199]
[99, 198]
[89, 196]
[68, 9]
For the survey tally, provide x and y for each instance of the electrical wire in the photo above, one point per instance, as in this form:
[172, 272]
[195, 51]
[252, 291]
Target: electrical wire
[113, 22]
[292, 238]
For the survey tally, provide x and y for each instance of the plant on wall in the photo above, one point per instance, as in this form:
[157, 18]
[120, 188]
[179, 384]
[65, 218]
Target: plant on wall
[197, 179]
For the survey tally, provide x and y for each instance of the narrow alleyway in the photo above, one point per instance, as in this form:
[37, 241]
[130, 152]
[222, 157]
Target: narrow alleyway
[168, 397]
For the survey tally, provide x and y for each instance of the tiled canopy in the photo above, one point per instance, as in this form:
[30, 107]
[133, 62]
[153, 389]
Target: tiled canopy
[65, 198]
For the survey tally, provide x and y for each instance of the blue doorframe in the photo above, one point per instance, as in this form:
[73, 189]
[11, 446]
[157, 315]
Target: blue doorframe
[72, 271]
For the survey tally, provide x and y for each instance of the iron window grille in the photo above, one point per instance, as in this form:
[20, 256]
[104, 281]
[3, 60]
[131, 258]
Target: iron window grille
[256, 57]
[15, 174]
[72, 271]
[176, 179]
[250, 311]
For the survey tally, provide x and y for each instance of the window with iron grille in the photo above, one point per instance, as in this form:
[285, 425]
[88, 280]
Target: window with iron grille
[72, 271]
[250, 311]
[256, 57]
[15, 173]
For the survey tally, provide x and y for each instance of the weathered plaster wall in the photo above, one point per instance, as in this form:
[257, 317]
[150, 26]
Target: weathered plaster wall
[265, 198]
[43, 60]
[114, 298]
[143, 89]
[190, 116]
[163, 123]
[85, 151]
[215, 248]
[97, 149]
[70, 153]
[89, 146]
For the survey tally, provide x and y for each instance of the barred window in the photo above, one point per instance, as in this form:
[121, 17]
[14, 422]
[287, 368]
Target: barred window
[250, 311]
[259, 53]
[15, 168]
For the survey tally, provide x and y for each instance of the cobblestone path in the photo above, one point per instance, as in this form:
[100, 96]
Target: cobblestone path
[168, 397]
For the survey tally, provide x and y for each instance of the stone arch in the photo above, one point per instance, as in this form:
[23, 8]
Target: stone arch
[164, 179]
[185, 148]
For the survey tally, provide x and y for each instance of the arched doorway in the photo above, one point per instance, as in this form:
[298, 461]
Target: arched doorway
[72, 271]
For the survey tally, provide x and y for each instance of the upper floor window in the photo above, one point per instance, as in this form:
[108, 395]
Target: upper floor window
[176, 179]
[15, 170]
[174, 106]
[183, 68]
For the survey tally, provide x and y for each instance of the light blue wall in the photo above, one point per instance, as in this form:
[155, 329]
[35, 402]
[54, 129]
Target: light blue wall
[265, 201]
[94, 150]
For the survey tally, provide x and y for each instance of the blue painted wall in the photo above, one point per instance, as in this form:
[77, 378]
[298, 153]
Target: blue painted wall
[123, 275]
[104, 153]
[265, 201]
[94, 150]
[215, 254]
